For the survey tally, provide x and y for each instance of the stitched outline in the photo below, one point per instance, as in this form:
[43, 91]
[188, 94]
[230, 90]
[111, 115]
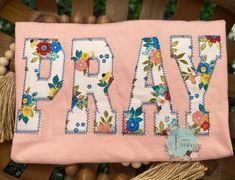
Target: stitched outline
[98, 71]
[109, 101]
[91, 93]
[130, 98]
[39, 73]
[64, 58]
[193, 65]
[24, 81]
[173, 112]
[148, 86]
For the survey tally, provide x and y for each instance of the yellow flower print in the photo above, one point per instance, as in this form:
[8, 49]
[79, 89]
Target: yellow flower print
[206, 118]
[53, 92]
[25, 101]
[205, 78]
[106, 76]
[85, 56]
[33, 43]
[27, 111]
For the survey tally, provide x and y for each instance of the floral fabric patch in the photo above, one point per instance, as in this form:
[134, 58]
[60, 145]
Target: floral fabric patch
[149, 85]
[93, 85]
[37, 88]
[149, 65]
[196, 79]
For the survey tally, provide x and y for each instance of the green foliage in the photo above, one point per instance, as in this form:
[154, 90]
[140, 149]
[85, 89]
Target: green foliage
[30, 3]
[103, 168]
[232, 104]
[58, 173]
[170, 9]
[7, 27]
[230, 67]
[134, 9]
[99, 7]
[64, 7]
[15, 169]
[206, 11]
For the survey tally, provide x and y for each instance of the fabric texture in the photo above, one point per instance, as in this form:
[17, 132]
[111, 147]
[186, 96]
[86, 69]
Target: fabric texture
[130, 91]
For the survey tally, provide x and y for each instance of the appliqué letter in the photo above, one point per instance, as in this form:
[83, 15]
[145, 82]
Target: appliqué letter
[149, 66]
[84, 52]
[196, 79]
[38, 88]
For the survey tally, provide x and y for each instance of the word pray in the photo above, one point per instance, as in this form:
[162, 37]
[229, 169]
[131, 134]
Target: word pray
[149, 66]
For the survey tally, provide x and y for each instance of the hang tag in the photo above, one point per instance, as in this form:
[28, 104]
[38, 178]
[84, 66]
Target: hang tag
[182, 144]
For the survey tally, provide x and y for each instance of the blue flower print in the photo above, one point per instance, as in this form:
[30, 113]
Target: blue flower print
[74, 101]
[27, 100]
[204, 68]
[160, 89]
[55, 47]
[132, 124]
[76, 130]
[156, 43]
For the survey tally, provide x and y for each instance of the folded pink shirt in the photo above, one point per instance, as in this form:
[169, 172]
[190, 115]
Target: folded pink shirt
[130, 91]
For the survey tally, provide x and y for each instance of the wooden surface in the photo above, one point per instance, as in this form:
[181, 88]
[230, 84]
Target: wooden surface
[231, 85]
[85, 8]
[188, 9]
[46, 5]
[5, 41]
[222, 13]
[15, 11]
[228, 4]
[220, 169]
[232, 124]
[117, 10]
[152, 9]
[2, 2]
[231, 50]
[4, 176]
[39, 172]
[5, 152]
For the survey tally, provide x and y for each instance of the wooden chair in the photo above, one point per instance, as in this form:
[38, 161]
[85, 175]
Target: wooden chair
[117, 10]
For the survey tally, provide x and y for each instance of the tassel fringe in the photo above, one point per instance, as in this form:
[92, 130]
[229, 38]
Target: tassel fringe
[173, 171]
[7, 106]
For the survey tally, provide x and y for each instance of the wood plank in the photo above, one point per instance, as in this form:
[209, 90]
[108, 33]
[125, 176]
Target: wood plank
[231, 85]
[16, 11]
[5, 152]
[227, 4]
[188, 10]
[226, 168]
[232, 124]
[46, 6]
[4, 176]
[117, 10]
[231, 50]
[37, 172]
[85, 8]
[117, 168]
[2, 2]
[153, 9]
[5, 42]
[222, 13]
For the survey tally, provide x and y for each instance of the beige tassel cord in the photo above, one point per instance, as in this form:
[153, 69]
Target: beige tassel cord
[7, 106]
[173, 171]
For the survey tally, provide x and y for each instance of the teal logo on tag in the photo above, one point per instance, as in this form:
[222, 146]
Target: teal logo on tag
[182, 143]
